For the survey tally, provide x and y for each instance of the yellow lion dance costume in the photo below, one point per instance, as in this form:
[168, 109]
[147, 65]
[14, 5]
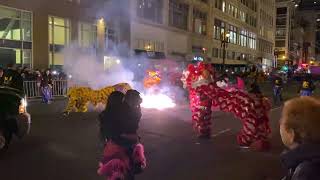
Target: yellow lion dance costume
[80, 97]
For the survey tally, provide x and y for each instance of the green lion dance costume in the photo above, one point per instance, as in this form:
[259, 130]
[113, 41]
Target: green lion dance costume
[81, 97]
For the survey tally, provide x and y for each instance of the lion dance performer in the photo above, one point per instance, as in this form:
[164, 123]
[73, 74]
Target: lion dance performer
[80, 97]
[251, 109]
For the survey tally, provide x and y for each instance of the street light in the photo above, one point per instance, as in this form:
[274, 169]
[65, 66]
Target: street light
[224, 43]
[101, 20]
[148, 47]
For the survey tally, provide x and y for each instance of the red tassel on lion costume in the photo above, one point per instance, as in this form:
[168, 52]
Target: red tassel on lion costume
[204, 94]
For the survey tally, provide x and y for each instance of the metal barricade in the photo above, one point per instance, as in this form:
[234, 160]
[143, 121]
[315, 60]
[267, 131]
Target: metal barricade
[32, 89]
[60, 88]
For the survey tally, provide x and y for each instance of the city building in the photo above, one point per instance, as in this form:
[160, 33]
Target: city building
[285, 13]
[35, 33]
[266, 34]
[309, 17]
[186, 30]
[296, 50]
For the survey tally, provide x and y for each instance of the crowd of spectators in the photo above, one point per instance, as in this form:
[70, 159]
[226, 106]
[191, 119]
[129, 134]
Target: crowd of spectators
[33, 75]
[34, 82]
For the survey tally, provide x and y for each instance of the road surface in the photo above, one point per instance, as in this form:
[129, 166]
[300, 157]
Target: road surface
[61, 148]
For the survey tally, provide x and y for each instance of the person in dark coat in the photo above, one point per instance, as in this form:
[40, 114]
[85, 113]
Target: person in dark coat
[299, 129]
[109, 119]
[46, 87]
[255, 88]
[12, 78]
[131, 117]
[277, 89]
[132, 101]
[119, 122]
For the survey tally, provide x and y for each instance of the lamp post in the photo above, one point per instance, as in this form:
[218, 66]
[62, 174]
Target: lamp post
[224, 43]
[276, 53]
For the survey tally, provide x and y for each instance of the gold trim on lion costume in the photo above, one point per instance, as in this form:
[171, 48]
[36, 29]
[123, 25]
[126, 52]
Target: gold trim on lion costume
[81, 97]
[152, 79]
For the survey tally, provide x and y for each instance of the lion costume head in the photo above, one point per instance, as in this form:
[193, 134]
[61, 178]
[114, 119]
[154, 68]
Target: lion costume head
[197, 75]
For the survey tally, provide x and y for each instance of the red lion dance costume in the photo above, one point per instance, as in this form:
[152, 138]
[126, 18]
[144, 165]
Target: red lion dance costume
[251, 109]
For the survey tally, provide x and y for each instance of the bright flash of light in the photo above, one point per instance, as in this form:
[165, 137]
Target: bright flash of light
[157, 101]
[70, 76]
[118, 61]
[54, 72]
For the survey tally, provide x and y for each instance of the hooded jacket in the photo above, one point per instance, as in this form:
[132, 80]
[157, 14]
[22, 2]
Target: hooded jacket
[303, 162]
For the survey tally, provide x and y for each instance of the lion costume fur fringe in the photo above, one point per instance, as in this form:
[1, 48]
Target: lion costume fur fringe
[81, 97]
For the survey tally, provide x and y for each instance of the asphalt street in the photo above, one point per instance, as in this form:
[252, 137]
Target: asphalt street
[61, 148]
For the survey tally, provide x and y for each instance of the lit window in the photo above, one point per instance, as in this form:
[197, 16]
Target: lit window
[178, 14]
[223, 6]
[199, 22]
[87, 35]
[59, 37]
[16, 30]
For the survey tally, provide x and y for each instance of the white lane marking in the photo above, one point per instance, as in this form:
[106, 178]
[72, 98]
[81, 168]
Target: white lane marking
[221, 132]
[274, 109]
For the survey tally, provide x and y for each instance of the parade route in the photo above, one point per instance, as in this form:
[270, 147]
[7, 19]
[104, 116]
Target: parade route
[67, 148]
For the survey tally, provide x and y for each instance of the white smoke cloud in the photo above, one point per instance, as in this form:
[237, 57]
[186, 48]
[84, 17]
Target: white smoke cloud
[88, 70]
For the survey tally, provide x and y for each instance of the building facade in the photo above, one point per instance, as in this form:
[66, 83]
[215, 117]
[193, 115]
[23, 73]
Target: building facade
[192, 29]
[310, 20]
[289, 33]
[35, 33]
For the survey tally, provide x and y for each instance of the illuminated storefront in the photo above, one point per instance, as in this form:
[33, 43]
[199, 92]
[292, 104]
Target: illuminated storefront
[15, 37]
[59, 37]
[38, 37]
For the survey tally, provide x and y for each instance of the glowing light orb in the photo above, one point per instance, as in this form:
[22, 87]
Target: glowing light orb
[157, 101]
